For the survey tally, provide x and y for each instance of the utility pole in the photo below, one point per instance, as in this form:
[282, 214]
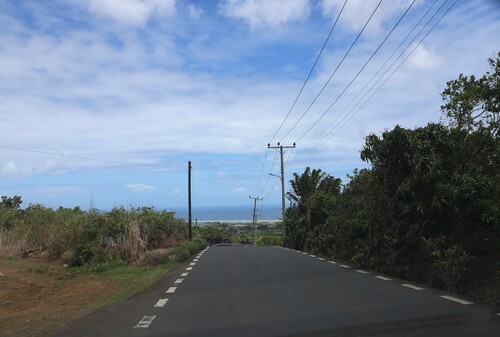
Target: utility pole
[189, 201]
[281, 147]
[255, 217]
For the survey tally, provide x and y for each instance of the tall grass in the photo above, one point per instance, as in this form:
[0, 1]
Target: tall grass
[79, 237]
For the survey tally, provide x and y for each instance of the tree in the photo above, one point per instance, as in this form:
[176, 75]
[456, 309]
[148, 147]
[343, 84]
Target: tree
[472, 104]
[311, 194]
[14, 202]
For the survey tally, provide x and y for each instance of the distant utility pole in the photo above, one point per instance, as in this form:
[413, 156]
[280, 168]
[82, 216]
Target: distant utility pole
[255, 217]
[189, 201]
[281, 147]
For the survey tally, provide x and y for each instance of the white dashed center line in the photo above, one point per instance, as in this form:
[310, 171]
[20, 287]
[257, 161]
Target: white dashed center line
[179, 280]
[145, 322]
[455, 299]
[184, 274]
[411, 286]
[383, 278]
[161, 303]
[171, 290]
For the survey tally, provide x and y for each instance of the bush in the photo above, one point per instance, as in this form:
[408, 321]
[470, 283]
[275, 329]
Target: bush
[82, 255]
[188, 248]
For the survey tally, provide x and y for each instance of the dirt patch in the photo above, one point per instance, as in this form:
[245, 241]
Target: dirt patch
[37, 298]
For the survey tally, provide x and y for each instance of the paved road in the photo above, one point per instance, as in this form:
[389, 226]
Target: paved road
[270, 291]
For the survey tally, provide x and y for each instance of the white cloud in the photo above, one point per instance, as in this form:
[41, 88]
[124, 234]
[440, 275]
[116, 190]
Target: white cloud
[194, 11]
[357, 12]
[266, 12]
[140, 187]
[10, 169]
[424, 58]
[239, 190]
[130, 11]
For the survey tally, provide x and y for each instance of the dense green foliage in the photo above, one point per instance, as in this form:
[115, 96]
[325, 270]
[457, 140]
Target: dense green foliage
[428, 208]
[137, 235]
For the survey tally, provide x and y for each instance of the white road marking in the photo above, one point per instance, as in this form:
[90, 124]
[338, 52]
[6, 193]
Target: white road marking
[304, 253]
[411, 286]
[192, 264]
[332, 262]
[171, 290]
[184, 274]
[195, 260]
[189, 268]
[161, 302]
[362, 271]
[179, 280]
[456, 299]
[383, 278]
[320, 258]
[312, 255]
[498, 313]
[345, 266]
[145, 322]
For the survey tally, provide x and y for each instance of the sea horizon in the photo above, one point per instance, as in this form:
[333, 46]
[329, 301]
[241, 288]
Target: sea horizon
[240, 214]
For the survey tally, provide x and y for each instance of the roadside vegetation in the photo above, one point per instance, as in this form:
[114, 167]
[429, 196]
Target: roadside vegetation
[428, 207]
[57, 265]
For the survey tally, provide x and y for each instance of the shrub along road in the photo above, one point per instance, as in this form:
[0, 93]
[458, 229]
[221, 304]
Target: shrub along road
[270, 291]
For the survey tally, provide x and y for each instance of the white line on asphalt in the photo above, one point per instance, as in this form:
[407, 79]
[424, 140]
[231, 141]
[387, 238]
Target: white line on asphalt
[456, 299]
[383, 278]
[161, 302]
[145, 322]
[332, 262]
[171, 290]
[345, 266]
[498, 313]
[304, 253]
[189, 268]
[320, 258]
[184, 274]
[362, 271]
[195, 260]
[179, 280]
[198, 256]
[411, 286]
[192, 264]
[312, 255]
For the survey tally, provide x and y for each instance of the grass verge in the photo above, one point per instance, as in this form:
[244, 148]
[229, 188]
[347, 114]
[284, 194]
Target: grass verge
[37, 298]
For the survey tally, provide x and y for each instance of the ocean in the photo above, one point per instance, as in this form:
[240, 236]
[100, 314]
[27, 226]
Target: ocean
[230, 213]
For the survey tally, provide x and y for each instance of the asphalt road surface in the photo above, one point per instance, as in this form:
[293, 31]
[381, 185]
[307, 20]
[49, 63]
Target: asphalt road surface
[271, 291]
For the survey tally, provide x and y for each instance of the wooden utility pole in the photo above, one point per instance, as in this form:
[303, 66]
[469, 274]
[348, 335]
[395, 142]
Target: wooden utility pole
[255, 217]
[281, 147]
[189, 201]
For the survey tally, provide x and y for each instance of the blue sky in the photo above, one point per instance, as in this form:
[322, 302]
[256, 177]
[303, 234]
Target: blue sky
[143, 86]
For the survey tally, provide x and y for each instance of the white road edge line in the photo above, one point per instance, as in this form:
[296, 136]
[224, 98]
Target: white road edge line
[332, 262]
[192, 264]
[184, 274]
[344, 266]
[411, 286]
[383, 278]
[312, 255]
[179, 280]
[320, 258]
[362, 271]
[189, 268]
[161, 303]
[456, 299]
[145, 322]
[171, 290]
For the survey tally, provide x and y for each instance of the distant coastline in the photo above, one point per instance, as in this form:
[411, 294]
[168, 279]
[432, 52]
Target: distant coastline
[230, 214]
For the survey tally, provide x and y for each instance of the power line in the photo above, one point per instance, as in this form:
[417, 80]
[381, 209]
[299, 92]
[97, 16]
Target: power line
[86, 158]
[310, 72]
[260, 174]
[271, 169]
[378, 71]
[338, 126]
[359, 72]
[333, 74]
